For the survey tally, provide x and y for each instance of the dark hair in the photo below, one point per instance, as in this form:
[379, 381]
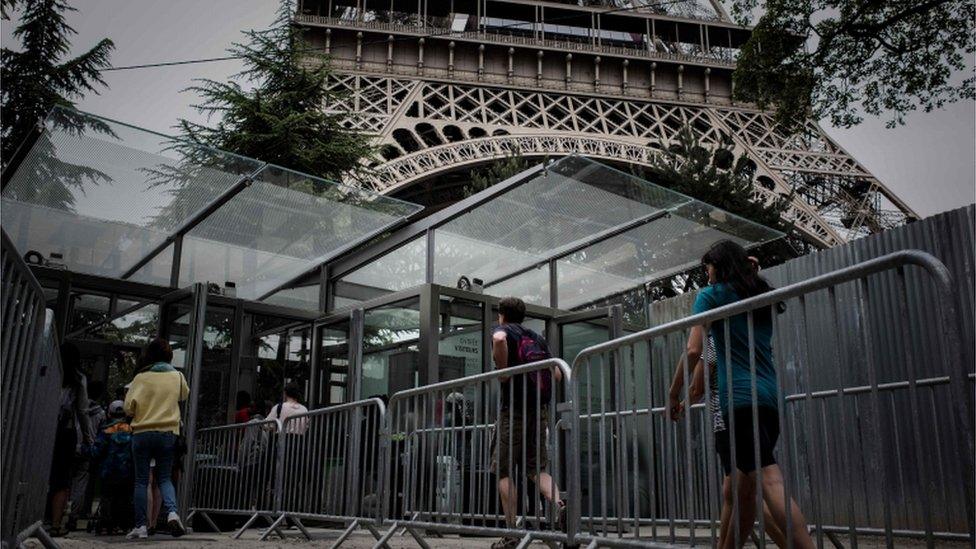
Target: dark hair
[732, 266]
[512, 309]
[293, 391]
[243, 399]
[70, 363]
[157, 350]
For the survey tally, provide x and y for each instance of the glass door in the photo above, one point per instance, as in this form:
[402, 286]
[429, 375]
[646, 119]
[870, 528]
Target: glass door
[182, 323]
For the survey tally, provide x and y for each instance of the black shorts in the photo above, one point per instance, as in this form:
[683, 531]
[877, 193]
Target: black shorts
[745, 452]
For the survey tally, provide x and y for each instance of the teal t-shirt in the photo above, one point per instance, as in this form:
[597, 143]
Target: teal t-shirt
[720, 294]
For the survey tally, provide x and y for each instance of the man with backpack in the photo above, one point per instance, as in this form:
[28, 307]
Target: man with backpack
[520, 433]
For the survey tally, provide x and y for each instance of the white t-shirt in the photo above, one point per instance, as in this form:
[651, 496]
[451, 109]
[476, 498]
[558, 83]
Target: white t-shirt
[288, 409]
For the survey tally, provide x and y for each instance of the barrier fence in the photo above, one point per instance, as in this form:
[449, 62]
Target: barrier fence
[31, 385]
[866, 449]
[855, 448]
[236, 471]
[332, 467]
[453, 444]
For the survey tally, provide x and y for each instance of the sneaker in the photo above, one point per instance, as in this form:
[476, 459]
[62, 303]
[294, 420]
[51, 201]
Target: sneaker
[138, 532]
[176, 528]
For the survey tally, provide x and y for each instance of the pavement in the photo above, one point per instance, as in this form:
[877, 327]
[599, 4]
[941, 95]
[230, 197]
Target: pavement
[359, 540]
[194, 540]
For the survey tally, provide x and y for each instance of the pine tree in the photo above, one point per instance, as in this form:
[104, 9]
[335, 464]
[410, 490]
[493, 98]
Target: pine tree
[718, 178]
[282, 119]
[496, 172]
[38, 78]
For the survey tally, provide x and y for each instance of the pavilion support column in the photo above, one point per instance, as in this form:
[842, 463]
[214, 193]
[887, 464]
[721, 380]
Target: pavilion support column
[538, 68]
[450, 59]
[420, 56]
[653, 77]
[596, 74]
[481, 60]
[359, 50]
[623, 85]
[708, 73]
[569, 69]
[681, 81]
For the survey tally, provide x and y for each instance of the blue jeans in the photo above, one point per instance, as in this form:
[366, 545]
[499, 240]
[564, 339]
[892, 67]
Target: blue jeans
[156, 445]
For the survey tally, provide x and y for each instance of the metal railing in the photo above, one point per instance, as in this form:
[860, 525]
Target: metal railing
[332, 467]
[450, 444]
[235, 471]
[31, 387]
[694, 53]
[856, 447]
[855, 452]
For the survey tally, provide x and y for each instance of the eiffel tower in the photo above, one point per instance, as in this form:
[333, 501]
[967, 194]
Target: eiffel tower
[446, 85]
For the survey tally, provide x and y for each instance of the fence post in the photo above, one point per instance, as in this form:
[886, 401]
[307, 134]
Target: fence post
[279, 484]
[354, 454]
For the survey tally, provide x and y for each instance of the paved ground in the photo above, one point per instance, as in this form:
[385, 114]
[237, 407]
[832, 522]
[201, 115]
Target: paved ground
[325, 538]
[322, 538]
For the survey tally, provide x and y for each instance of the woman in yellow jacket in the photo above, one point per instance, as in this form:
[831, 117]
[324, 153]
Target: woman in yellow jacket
[153, 403]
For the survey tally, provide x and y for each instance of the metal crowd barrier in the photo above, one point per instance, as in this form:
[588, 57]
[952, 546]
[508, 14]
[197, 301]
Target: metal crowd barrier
[867, 449]
[31, 387]
[235, 471]
[332, 467]
[442, 438]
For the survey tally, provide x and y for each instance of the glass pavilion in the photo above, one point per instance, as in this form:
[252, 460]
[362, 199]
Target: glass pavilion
[260, 275]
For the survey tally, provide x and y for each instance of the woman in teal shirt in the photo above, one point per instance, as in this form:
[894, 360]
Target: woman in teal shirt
[733, 277]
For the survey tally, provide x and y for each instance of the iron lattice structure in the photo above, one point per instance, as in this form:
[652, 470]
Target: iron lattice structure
[448, 85]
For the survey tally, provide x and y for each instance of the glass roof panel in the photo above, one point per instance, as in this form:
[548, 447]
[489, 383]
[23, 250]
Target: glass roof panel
[158, 270]
[651, 251]
[282, 225]
[565, 205]
[404, 267]
[608, 230]
[103, 194]
[531, 286]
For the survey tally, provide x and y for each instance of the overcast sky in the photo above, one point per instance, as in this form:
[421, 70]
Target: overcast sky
[930, 162]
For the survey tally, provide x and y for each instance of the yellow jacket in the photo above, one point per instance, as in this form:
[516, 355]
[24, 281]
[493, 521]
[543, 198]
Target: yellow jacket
[153, 399]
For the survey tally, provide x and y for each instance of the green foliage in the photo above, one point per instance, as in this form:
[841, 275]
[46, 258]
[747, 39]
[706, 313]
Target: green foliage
[835, 58]
[496, 172]
[38, 77]
[280, 117]
[718, 178]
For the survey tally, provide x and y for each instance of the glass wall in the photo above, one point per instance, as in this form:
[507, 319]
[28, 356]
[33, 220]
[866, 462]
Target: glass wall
[391, 354]
[333, 368]
[460, 341]
[400, 269]
[216, 375]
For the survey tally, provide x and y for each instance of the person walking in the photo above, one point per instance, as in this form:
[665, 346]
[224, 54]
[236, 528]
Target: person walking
[82, 485]
[523, 419]
[153, 403]
[113, 457]
[732, 277]
[73, 435]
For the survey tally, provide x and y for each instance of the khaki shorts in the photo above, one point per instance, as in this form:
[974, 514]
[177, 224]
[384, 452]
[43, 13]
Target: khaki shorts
[513, 435]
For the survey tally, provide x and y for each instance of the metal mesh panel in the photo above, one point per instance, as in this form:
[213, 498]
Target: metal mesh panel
[568, 203]
[103, 194]
[284, 223]
[653, 250]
